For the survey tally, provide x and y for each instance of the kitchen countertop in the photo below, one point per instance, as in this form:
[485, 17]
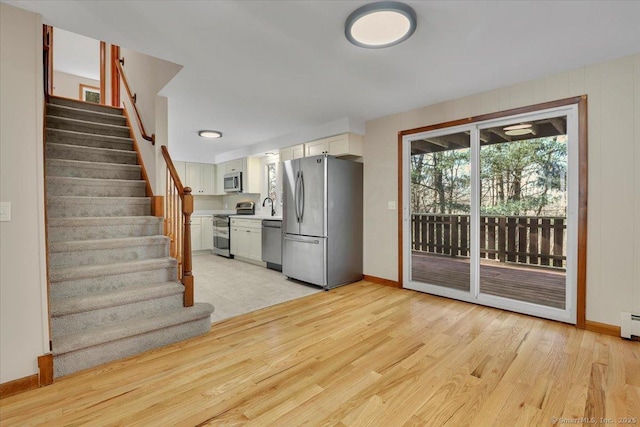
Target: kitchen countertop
[212, 212]
[258, 216]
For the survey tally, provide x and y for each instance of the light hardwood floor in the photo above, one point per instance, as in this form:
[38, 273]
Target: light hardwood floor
[362, 354]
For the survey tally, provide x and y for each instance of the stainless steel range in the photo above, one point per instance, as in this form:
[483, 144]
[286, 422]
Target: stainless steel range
[222, 226]
[221, 235]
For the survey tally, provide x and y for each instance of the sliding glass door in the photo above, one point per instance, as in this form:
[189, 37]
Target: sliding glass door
[440, 204]
[491, 213]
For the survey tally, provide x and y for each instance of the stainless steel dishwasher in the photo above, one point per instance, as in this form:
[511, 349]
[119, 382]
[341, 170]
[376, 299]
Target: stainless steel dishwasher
[272, 243]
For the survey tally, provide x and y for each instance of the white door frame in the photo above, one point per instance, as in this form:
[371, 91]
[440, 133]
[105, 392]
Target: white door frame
[568, 314]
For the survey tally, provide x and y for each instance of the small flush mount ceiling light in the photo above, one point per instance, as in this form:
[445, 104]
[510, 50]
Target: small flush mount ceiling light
[210, 134]
[381, 24]
[517, 130]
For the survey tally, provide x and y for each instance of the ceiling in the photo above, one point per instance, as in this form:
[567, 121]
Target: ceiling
[275, 73]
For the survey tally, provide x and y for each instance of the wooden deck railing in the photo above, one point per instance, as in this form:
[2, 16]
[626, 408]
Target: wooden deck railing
[178, 207]
[518, 239]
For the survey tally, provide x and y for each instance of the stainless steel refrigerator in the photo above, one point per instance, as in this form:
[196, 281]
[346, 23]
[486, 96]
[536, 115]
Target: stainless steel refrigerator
[322, 220]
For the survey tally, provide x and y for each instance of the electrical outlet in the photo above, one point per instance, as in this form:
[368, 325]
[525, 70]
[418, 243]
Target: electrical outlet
[5, 211]
[391, 206]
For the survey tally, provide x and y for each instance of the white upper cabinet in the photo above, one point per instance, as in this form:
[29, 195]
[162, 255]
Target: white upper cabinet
[250, 168]
[201, 177]
[346, 144]
[234, 166]
[290, 153]
[207, 178]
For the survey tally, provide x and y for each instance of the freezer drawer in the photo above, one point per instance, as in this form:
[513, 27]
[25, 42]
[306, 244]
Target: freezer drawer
[304, 258]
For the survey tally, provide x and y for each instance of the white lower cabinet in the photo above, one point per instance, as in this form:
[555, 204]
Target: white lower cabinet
[207, 233]
[201, 233]
[246, 238]
[196, 234]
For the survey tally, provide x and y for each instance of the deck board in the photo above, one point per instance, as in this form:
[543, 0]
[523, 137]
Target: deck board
[535, 285]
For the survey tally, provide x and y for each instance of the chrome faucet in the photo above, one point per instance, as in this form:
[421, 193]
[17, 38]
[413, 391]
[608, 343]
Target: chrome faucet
[264, 203]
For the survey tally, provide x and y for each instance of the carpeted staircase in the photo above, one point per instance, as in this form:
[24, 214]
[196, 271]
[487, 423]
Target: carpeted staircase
[113, 287]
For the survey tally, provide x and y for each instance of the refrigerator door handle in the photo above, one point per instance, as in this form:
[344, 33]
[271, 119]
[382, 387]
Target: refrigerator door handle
[301, 196]
[296, 196]
[313, 242]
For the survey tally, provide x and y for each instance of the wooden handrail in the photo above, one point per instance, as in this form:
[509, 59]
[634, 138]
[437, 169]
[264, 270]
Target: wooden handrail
[47, 60]
[177, 224]
[132, 98]
[172, 169]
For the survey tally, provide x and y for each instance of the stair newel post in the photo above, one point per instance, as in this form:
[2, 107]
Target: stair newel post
[187, 277]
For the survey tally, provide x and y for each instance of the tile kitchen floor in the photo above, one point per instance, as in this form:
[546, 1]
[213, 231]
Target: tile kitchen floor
[236, 287]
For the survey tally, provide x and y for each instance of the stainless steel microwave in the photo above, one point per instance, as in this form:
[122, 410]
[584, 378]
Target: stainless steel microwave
[233, 182]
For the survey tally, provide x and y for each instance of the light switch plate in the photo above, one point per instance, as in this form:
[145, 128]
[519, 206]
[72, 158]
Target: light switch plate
[391, 206]
[5, 211]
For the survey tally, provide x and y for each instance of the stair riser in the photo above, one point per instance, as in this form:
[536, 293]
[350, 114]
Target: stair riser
[87, 115]
[95, 141]
[87, 127]
[85, 106]
[90, 155]
[61, 208]
[112, 190]
[76, 322]
[60, 234]
[70, 288]
[108, 256]
[103, 172]
[74, 361]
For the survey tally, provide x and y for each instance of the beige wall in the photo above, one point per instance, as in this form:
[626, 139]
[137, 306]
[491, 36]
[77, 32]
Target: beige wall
[613, 89]
[68, 85]
[23, 307]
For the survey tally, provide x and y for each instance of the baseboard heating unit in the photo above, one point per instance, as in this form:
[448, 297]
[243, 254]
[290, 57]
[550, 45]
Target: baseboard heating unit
[629, 325]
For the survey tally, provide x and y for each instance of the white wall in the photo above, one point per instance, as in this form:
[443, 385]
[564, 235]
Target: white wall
[613, 89]
[147, 76]
[76, 54]
[23, 307]
[162, 138]
[68, 85]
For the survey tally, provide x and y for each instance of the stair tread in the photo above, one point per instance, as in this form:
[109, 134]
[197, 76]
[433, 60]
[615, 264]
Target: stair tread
[85, 122]
[118, 242]
[102, 199]
[94, 164]
[98, 300]
[99, 181]
[61, 274]
[74, 133]
[81, 104]
[84, 110]
[102, 220]
[93, 149]
[122, 329]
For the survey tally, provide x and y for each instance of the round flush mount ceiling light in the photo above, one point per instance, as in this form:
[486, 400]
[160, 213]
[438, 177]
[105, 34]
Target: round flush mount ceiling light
[520, 126]
[210, 134]
[517, 130]
[381, 24]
